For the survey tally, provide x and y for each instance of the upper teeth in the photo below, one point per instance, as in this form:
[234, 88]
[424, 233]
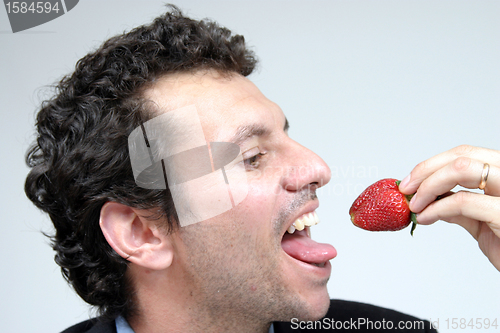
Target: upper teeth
[306, 220]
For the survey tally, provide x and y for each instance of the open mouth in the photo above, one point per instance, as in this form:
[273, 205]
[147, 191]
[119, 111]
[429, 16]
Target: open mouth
[297, 242]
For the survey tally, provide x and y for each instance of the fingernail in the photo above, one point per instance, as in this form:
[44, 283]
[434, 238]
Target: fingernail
[405, 182]
[412, 201]
[422, 219]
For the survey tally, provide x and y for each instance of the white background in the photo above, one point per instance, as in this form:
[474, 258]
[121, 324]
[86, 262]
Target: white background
[374, 87]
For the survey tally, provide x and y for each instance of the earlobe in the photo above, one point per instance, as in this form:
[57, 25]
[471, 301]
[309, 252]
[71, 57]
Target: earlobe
[135, 237]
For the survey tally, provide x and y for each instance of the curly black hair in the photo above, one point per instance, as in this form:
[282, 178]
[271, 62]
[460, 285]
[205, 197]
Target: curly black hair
[80, 158]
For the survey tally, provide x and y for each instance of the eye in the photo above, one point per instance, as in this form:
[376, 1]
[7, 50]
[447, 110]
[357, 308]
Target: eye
[253, 161]
[252, 158]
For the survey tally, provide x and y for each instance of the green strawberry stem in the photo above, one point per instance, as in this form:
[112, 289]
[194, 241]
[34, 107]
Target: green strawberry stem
[413, 216]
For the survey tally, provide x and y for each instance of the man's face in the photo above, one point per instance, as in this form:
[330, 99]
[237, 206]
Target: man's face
[243, 262]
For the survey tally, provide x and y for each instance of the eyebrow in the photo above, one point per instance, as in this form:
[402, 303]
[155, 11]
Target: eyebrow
[245, 132]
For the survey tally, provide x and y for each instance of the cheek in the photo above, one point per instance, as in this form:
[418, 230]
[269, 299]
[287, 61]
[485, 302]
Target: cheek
[257, 211]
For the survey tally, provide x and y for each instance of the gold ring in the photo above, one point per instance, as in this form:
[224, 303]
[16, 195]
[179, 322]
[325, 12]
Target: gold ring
[484, 176]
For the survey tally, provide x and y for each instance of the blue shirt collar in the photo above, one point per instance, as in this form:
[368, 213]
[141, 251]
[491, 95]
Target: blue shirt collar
[122, 326]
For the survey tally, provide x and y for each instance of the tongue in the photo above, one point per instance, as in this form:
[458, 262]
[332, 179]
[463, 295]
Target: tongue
[303, 248]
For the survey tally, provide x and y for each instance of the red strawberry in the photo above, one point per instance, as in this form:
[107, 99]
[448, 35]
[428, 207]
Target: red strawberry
[381, 207]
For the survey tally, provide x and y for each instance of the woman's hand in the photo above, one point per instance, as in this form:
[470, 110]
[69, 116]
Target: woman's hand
[478, 213]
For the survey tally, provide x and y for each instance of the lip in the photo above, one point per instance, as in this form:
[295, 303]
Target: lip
[320, 272]
[308, 208]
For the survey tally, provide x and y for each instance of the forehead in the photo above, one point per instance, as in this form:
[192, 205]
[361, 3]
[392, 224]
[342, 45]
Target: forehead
[224, 102]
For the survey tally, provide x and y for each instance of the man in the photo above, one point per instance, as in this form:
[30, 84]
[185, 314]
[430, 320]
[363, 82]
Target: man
[123, 243]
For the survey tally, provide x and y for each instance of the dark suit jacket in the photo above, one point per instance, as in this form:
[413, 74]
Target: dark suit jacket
[352, 316]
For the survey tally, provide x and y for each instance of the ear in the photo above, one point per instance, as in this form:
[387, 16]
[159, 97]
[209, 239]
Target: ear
[134, 237]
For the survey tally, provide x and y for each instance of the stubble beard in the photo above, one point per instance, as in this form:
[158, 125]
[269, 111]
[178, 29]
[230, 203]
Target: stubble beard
[236, 278]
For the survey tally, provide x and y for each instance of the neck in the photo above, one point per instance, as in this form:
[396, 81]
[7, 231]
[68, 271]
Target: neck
[164, 320]
[143, 325]
[164, 307]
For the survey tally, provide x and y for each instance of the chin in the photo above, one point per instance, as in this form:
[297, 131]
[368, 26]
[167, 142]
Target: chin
[315, 308]
[321, 307]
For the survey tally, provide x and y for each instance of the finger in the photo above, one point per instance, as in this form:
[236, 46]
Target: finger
[487, 234]
[423, 170]
[463, 171]
[464, 208]
[471, 225]
[488, 241]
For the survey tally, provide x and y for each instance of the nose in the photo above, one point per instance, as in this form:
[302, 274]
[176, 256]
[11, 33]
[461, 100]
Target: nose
[305, 169]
